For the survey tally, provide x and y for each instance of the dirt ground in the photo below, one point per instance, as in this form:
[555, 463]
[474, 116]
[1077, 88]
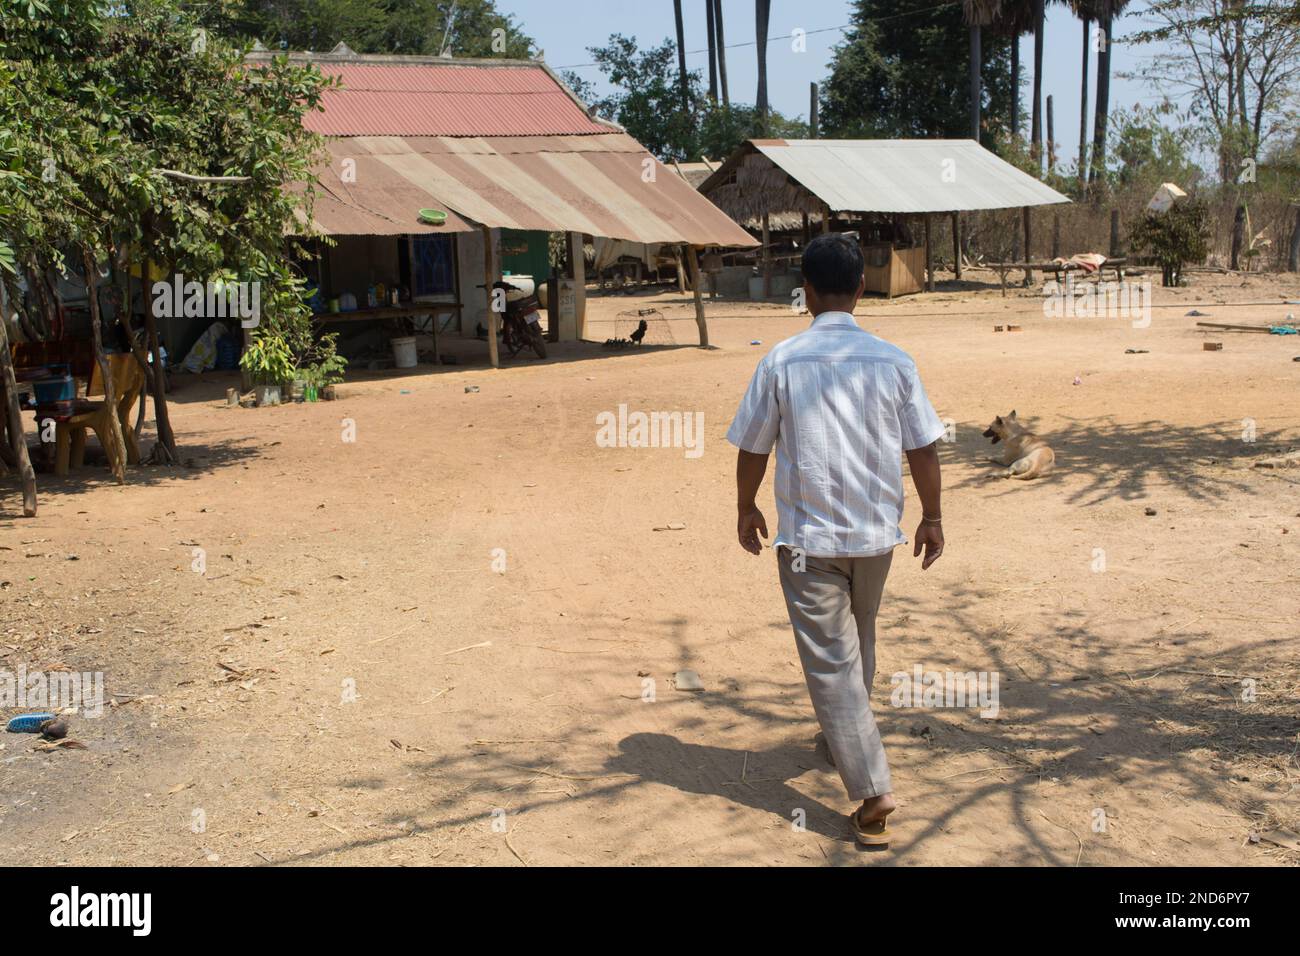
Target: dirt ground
[501, 718]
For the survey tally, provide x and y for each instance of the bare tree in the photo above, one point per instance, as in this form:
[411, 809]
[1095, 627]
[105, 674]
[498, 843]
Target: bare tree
[1234, 63]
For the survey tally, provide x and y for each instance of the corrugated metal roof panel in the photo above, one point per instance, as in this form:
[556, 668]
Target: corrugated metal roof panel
[903, 175]
[601, 185]
[422, 99]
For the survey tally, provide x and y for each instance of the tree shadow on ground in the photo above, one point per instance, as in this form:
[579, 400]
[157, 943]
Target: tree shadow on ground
[1127, 460]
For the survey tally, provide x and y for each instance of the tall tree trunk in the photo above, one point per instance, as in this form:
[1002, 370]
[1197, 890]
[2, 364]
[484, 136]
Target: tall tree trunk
[1036, 123]
[1083, 108]
[164, 450]
[1099, 120]
[1015, 86]
[976, 95]
[14, 420]
[762, 14]
[713, 51]
[681, 57]
[722, 53]
[1238, 238]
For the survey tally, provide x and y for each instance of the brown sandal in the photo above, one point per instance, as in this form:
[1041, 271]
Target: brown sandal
[874, 833]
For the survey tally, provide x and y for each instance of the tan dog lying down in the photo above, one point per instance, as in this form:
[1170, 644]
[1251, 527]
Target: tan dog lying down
[1027, 454]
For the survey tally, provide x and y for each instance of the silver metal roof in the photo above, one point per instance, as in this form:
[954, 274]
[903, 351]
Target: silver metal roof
[906, 175]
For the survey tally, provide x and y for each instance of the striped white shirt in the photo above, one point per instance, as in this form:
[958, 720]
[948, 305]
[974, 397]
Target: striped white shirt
[840, 406]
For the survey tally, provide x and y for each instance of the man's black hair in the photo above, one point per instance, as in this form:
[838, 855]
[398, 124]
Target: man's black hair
[832, 264]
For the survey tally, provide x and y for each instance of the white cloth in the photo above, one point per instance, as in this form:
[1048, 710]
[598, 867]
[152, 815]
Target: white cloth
[840, 406]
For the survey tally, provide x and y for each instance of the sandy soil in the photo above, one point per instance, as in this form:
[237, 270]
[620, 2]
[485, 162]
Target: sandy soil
[500, 719]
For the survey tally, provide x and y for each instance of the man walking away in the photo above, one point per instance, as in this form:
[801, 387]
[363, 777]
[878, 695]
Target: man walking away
[841, 407]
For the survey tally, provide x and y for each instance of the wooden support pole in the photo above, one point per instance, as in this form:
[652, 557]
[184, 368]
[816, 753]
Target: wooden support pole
[929, 257]
[813, 122]
[578, 258]
[116, 454]
[694, 260]
[1029, 245]
[767, 256]
[826, 220]
[956, 246]
[14, 418]
[489, 273]
[681, 262]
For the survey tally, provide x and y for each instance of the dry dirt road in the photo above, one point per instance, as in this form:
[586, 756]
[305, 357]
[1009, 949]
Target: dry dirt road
[348, 679]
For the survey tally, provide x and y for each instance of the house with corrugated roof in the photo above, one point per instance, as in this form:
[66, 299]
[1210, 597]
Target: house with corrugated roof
[502, 156]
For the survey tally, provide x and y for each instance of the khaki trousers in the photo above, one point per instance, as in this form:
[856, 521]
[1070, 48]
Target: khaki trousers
[832, 604]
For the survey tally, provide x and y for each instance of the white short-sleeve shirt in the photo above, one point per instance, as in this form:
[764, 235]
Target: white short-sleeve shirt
[840, 406]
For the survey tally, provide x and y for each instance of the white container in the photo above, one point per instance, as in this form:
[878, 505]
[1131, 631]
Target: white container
[404, 353]
[267, 395]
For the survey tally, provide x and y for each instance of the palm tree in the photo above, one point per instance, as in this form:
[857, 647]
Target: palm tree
[1015, 18]
[1036, 116]
[1107, 11]
[978, 14]
[722, 52]
[1086, 11]
[681, 57]
[713, 51]
[762, 14]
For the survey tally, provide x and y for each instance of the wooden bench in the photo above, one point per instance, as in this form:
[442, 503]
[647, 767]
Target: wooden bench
[70, 429]
[1002, 268]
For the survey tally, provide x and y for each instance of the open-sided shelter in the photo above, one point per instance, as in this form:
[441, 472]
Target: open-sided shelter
[900, 183]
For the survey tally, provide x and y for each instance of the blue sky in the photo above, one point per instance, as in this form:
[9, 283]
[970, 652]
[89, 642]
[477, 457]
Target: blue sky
[566, 28]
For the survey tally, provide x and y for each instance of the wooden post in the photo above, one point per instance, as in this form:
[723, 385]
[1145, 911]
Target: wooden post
[681, 262]
[116, 454]
[826, 220]
[1051, 138]
[812, 113]
[694, 260]
[767, 257]
[1114, 234]
[929, 257]
[489, 273]
[1293, 253]
[578, 259]
[14, 418]
[1029, 245]
[956, 246]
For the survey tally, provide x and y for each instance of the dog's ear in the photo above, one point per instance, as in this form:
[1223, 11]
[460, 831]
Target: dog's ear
[999, 419]
[1013, 414]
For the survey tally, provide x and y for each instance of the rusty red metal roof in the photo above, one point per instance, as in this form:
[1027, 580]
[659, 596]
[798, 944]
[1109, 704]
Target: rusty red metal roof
[462, 99]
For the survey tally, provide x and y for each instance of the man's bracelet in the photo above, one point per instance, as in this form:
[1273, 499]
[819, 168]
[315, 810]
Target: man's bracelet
[928, 520]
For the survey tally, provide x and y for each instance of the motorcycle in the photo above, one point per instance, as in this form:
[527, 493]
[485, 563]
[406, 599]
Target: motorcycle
[521, 320]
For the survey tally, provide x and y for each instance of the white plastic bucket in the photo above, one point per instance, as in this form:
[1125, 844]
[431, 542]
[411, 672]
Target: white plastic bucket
[404, 354]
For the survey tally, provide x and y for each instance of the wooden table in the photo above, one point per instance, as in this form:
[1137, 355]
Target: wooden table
[392, 312]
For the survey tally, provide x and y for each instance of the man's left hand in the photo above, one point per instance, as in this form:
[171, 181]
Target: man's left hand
[929, 536]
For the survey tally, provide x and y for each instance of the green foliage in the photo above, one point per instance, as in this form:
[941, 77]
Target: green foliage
[646, 100]
[1148, 151]
[372, 26]
[267, 360]
[901, 72]
[1174, 238]
[95, 106]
